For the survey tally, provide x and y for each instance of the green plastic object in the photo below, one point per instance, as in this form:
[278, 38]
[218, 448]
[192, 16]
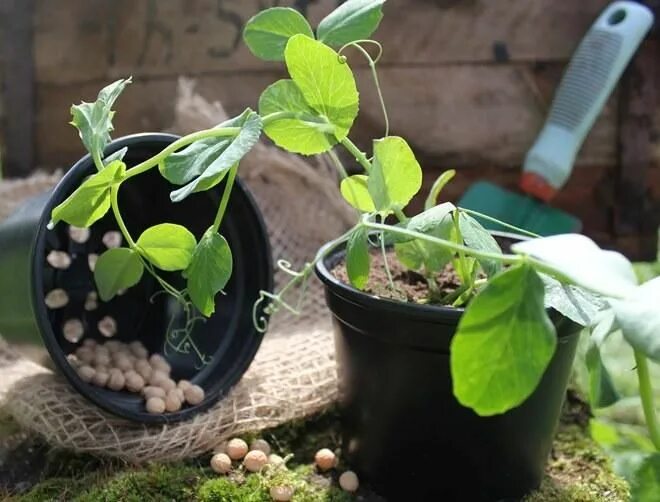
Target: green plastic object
[594, 70]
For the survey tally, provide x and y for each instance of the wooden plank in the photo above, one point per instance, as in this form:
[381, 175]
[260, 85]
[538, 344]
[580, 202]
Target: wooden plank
[459, 115]
[106, 39]
[18, 87]
[144, 106]
[468, 115]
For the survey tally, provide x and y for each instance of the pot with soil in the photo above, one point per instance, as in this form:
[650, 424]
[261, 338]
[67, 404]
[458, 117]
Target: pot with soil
[404, 430]
[58, 297]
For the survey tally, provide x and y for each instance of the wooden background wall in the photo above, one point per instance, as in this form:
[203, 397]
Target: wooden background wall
[468, 82]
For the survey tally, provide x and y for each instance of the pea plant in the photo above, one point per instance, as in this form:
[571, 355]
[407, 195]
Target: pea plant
[505, 338]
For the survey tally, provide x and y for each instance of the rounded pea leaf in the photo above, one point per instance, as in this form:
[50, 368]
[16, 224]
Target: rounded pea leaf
[117, 269]
[267, 33]
[354, 190]
[396, 175]
[91, 200]
[209, 271]
[168, 246]
[357, 258]
[503, 344]
[306, 133]
[353, 20]
[326, 82]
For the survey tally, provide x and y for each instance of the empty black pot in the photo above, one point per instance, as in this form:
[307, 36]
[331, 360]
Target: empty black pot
[228, 338]
[404, 431]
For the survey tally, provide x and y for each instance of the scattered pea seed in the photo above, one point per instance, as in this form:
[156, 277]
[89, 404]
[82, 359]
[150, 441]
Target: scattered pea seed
[143, 367]
[275, 460]
[56, 299]
[123, 362]
[101, 358]
[183, 384]
[79, 234]
[85, 354]
[157, 378]
[180, 394]
[237, 449]
[221, 463]
[86, 373]
[255, 460]
[59, 259]
[73, 360]
[172, 401]
[114, 346]
[282, 493]
[325, 459]
[261, 445]
[151, 391]
[168, 384]
[134, 382]
[112, 239]
[155, 405]
[92, 258]
[73, 330]
[138, 350]
[194, 395]
[100, 378]
[107, 326]
[158, 362]
[117, 380]
[349, 481]
[91, 302]
[89, 343]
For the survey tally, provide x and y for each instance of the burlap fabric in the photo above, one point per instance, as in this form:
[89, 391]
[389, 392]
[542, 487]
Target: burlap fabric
[293, 374]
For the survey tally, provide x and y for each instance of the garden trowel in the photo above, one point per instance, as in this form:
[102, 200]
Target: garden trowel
[594, 70]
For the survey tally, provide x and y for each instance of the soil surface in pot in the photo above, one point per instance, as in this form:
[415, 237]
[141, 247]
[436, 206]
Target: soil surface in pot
[409, 286]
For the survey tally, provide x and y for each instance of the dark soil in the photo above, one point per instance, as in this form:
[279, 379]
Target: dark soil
[409, 286]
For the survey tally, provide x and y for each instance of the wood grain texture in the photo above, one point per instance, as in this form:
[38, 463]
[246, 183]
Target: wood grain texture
[84, 40]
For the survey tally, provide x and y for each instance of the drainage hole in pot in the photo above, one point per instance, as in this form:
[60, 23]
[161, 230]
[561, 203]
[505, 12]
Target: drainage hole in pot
[112, 239]
[56, 299]
[73, 330]
[78, 234]
[59, 259]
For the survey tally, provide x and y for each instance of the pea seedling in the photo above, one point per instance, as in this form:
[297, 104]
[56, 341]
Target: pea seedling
[505, 334]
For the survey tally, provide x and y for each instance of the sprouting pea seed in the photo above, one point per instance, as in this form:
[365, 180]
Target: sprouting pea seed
[261, 445]
[172, 401]
[325, 459]
[194, 394]
[349, 481]
[151, 391]
[134, 382]
[281, 493]
[117, 380]
[255, 460]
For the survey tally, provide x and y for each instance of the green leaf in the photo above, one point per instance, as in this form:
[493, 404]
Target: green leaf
[117, 269]
[209, 271]
[477, 237]
[91, 200]
[410, 254]
[503, 344]
[438, 185]
[168, 246]
[578, 305]
[646, 484]
[602, 392]
[357, 258]
[267, 33]
[583, 262]
[427, 222]
[118, 155]
[325, 81]
[396, 175]
[351, 21]
[638, 317]
[354, 189]
[203, 164]
[94, 120]
[307, 133]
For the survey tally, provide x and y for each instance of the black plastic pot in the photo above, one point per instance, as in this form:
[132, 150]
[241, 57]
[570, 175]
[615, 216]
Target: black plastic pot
[228, 336]
[404, 431]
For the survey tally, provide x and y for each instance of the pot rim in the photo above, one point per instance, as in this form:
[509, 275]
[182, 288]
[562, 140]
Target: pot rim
[405, 309]
[40, 311]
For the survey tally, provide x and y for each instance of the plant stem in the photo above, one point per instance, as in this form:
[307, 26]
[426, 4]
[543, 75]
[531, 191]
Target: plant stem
[114, 202]
[646, 395]
[398, 212]
[464, 272]
[225, 197]
[499, 222]
[219, 132]
[385, 264]
[98, 162]
[357, 153]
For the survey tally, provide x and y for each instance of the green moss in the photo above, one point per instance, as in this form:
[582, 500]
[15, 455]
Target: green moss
[250, 489]
[53, 490]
